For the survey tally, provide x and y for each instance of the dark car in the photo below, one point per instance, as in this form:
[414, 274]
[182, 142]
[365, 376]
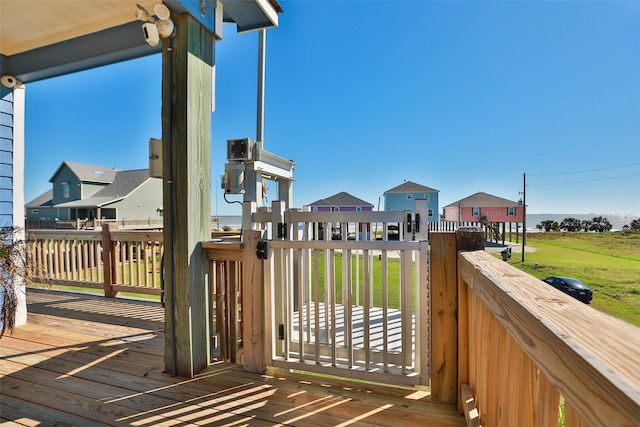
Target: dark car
[571, 286]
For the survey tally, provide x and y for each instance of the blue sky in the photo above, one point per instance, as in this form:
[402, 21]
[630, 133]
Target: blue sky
[459, 96]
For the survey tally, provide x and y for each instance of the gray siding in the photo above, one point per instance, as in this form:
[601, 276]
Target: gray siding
[144, 202]
[89, 190]
[65, 175]
[43, 213]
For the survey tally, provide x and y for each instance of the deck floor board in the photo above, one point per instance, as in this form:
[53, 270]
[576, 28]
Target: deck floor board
[84, 360]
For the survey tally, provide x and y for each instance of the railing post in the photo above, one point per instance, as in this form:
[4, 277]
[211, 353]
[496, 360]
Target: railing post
[108, 264]
[444, 350]
[448, 310]
[467, 239]
[252, 305]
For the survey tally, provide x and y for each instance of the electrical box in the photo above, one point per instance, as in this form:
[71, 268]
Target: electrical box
[233, 178]
[240, 149]
[155, 158]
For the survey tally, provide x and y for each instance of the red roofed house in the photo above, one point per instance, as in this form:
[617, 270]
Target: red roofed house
[485, 208]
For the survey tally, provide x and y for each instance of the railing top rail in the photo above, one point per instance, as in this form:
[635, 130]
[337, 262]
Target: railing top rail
[590, 357]
[347, 216]
[136, 235]
[63, 235]
[335, 216]
[389, 245]
[224, 250]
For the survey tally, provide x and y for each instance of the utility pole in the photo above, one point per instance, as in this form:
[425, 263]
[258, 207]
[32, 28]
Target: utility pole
[524, 213]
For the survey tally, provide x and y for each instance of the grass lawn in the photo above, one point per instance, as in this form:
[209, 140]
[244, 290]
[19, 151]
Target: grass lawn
[609, 263]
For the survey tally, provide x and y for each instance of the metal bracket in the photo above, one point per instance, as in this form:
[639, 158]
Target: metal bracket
[281, 331]
[261, 249]
[282, 230]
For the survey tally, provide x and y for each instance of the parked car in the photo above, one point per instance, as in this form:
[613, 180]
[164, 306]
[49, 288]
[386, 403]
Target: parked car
[571, 286]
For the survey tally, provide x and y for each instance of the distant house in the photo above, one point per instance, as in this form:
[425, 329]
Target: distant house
[82, 191]
[404, 196]
[343, 202]
[483, 207]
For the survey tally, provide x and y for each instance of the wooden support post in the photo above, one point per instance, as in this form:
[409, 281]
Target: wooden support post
[252, 305]
[444, 338]
[187, 85]
[467, 238]
[109, 264]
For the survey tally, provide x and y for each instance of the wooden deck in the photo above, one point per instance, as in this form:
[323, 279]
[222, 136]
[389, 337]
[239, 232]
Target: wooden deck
[85, 360]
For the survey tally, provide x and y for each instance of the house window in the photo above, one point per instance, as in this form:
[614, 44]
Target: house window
[511, 212]
[427, 198]
[65, 190]
[409, 197]
[358, 209]
[336, 209]
[430, 212]
[498, 213]
[34, 211]
[476, 212]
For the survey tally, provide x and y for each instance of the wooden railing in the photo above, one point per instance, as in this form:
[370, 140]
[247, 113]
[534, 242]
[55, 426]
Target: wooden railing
[237, 320]
[116, 260]
[93, 224]
[530, 355]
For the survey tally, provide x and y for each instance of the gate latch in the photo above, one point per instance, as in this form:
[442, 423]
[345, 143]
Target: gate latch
[282, 230]
[261, 249]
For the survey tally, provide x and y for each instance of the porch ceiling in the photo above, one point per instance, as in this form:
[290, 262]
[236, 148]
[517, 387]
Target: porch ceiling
[43, 38]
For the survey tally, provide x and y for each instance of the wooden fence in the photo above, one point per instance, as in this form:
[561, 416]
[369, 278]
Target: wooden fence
[116, 260]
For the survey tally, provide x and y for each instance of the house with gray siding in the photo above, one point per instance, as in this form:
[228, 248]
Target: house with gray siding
[83, 191]
[404, 196]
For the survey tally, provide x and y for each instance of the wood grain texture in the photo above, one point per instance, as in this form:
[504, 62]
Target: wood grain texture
[589, 357]
[444, 305]
[469, 404]
[186, 122]
[66, 369]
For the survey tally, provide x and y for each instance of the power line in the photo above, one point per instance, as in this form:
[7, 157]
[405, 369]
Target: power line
[584, 180]
[588, 170]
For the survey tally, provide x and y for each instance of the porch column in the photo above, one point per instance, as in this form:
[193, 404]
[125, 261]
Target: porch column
[187, 86]
[12, 135]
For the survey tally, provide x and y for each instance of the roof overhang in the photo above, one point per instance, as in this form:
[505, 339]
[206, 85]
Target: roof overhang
[41, 39]
[251, 15]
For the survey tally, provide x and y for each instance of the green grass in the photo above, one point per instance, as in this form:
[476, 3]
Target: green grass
[609, 263]
[393, 290]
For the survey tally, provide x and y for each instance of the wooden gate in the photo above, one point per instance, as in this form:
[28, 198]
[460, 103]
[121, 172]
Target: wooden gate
[350, 302]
